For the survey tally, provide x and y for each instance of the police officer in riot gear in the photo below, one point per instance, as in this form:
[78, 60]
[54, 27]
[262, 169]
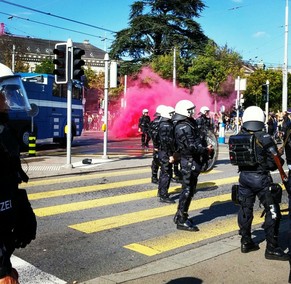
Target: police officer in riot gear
[189, 145]
[143, 127]
[204, 121]
[13, 232]
[254, 180]
[166, 151]
[153, 131]
[177, 175]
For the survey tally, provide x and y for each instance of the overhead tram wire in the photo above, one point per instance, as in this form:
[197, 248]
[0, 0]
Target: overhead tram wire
[56, 16]
[21, 18]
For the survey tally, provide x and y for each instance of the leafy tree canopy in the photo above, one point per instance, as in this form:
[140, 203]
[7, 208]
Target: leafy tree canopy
[253, 93]
[46, 67]
[156, 26]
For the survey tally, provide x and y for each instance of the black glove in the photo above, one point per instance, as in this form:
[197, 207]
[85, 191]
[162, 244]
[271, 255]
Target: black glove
[25, 227]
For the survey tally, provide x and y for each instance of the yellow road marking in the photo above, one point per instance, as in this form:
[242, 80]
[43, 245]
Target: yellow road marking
[82, 205]
[144, 215]
[77, 206]
[84, 177]
[82, 189]
[179, 239]
[92, 176]
[98, 187]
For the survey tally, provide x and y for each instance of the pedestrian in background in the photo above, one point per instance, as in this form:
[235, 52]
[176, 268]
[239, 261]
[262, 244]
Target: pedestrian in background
[143, 128]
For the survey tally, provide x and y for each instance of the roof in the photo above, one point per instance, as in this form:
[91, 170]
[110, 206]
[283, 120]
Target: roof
[44, 47]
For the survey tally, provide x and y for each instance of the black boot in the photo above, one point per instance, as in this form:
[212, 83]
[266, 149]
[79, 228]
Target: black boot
[187, 226]
[248, 245]
[167, 199]
[276, 253]
[183, 223]
[155, 180]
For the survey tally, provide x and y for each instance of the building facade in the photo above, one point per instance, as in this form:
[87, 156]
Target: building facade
[33, 51]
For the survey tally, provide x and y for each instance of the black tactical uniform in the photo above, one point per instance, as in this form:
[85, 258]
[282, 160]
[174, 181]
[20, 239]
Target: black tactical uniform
[204, 122]
[255, 181]
[17, 220]
[144, 125]
[189, 145]
[153, 131]
[11, 174]
[287, 139]
[166, 150]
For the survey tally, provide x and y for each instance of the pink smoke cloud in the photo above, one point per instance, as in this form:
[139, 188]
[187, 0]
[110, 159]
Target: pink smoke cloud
[149, 90]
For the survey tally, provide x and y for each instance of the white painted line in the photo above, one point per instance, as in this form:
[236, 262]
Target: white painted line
[29, 274]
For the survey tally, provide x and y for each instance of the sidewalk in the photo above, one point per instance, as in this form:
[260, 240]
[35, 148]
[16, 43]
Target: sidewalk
[216, 262]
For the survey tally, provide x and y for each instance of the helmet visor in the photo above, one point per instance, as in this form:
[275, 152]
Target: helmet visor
[191, 111]
[13, 95]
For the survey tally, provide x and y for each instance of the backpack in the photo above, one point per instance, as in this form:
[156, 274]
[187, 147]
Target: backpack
[242, 150]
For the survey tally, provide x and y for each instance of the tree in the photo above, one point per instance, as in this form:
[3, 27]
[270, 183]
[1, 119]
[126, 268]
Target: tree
[156, 26]
[214, 66]
[47, 66]
[163, 65]
[7, 44]
[253, 93]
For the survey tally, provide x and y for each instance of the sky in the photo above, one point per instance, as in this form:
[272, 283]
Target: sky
[253, 28]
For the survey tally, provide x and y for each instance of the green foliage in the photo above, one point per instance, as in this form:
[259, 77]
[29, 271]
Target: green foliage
[94, 80]
[214, 67]
[7, 45]
[155, 26]
[163, 65]
[253, 93]
[46, 66]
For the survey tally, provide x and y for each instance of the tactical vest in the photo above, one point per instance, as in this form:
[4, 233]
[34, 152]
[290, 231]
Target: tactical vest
[251, 151]
[242, 150]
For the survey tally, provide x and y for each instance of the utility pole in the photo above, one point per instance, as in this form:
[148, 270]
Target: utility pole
[174, 68]
[285, 66]
[13, 58]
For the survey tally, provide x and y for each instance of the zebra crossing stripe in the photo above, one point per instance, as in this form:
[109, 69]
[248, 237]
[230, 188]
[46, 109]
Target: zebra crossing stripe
[179, 239]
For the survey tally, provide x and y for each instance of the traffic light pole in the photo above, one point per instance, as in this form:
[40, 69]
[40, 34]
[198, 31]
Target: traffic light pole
[69, 104]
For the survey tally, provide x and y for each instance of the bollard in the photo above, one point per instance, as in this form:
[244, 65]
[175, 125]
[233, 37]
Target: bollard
[221, 137]
[32, 145]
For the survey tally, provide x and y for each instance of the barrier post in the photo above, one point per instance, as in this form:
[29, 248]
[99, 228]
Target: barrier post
[221, 137]
[32, 145]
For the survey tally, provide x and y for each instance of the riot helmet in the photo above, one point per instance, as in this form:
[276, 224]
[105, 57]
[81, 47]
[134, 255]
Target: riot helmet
[158, 110]
[253, 118]
[12, 92]
[204, 110]
[165, 112]
[185, 108]
[145, 111]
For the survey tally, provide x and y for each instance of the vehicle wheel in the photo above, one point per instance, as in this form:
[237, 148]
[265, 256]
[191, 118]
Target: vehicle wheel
[24, 139]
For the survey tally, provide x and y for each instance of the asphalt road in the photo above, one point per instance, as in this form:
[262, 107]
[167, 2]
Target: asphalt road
[109, 221]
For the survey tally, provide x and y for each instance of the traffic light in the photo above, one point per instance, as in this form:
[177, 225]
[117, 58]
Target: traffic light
[77, 63]
[61, 63]
[265, 92]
